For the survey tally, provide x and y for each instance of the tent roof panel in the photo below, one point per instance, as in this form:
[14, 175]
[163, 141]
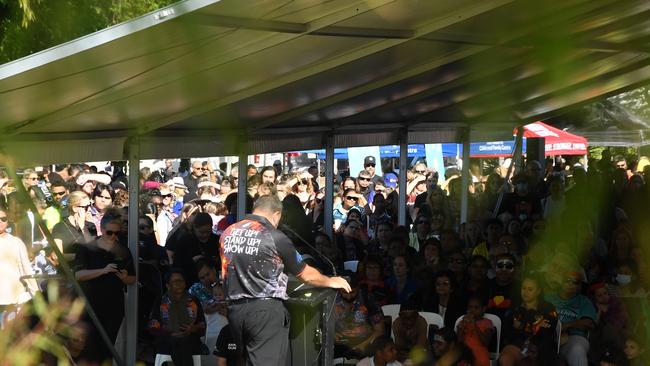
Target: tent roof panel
[262, 68]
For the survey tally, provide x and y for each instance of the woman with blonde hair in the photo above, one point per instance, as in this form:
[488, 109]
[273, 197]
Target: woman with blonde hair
[166, 216]
[76, 229]
[302, 187]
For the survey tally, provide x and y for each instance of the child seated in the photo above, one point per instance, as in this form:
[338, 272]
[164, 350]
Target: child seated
[384, 353]
[410, 330]
[475, 331]
[635, 350]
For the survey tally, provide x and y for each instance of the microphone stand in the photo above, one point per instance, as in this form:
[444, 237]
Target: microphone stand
[313, 249]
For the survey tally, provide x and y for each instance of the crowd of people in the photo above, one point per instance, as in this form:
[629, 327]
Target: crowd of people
[550, 267]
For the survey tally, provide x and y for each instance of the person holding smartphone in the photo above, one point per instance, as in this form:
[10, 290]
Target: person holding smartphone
[103, 267]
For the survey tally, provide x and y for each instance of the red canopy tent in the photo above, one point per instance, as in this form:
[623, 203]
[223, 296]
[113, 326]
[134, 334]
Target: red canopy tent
[557, 142]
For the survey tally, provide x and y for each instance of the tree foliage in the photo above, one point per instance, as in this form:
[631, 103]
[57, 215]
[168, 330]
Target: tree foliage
[29, 26]
[636, 100]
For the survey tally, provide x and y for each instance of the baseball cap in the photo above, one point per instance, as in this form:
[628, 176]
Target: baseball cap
[390, 180]
[369, 160]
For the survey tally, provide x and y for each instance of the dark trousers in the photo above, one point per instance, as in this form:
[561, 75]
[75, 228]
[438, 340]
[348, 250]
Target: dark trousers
[180, 349]
[262, 327]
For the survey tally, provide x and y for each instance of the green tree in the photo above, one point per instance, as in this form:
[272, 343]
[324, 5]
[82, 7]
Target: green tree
[29, 26]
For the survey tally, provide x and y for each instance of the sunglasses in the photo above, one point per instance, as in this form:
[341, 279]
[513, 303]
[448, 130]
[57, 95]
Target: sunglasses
[168, 195]
[352, 198]
[507, 265]
[303, 181]
[84, 207]
[59, 193]
[111, 233]
[4, 219]
[367, 165]
[364, 179]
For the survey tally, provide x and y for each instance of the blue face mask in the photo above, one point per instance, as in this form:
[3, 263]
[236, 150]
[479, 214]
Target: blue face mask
[623, 280]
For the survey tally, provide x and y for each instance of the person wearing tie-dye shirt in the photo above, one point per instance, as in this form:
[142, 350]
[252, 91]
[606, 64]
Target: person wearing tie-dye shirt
[178, 322]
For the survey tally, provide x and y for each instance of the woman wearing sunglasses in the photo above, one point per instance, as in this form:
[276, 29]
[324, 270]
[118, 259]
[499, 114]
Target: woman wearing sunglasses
[166, 216]
[349, 199]
[302, 187]
[75, 229]
[103, 268]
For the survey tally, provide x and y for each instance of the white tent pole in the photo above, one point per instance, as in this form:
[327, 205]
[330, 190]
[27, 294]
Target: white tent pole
[328, 209]
[464, 198]
[131, 318]
[403, 157]
[241, 185]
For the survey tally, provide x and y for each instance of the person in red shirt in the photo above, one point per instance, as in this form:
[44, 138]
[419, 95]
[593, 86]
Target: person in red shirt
[476, 331]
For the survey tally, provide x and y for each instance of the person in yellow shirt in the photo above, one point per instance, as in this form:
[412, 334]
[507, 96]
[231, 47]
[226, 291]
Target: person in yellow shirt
[52, 214]
[494, 229]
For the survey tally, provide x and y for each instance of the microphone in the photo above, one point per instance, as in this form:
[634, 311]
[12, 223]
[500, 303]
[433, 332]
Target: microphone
[284, 227]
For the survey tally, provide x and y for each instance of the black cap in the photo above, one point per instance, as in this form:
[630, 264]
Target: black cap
[369, 160]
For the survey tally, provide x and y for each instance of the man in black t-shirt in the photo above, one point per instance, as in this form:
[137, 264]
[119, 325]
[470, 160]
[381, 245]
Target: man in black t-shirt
[226, 350]
[503, 290]
[255, 256]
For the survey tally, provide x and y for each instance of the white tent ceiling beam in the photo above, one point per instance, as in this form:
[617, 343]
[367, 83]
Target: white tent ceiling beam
[30, 149]
[63, 151]
[291, 27]
[367, 49]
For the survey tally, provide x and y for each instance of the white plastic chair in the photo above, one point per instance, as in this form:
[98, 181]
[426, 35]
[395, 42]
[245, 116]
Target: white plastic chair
[432, 319]
[496, 321]
[351, 266]
[391, 310]
[161, 359]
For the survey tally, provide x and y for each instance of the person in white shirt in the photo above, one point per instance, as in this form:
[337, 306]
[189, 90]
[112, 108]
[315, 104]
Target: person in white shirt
[385, 353]
[14, 263]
